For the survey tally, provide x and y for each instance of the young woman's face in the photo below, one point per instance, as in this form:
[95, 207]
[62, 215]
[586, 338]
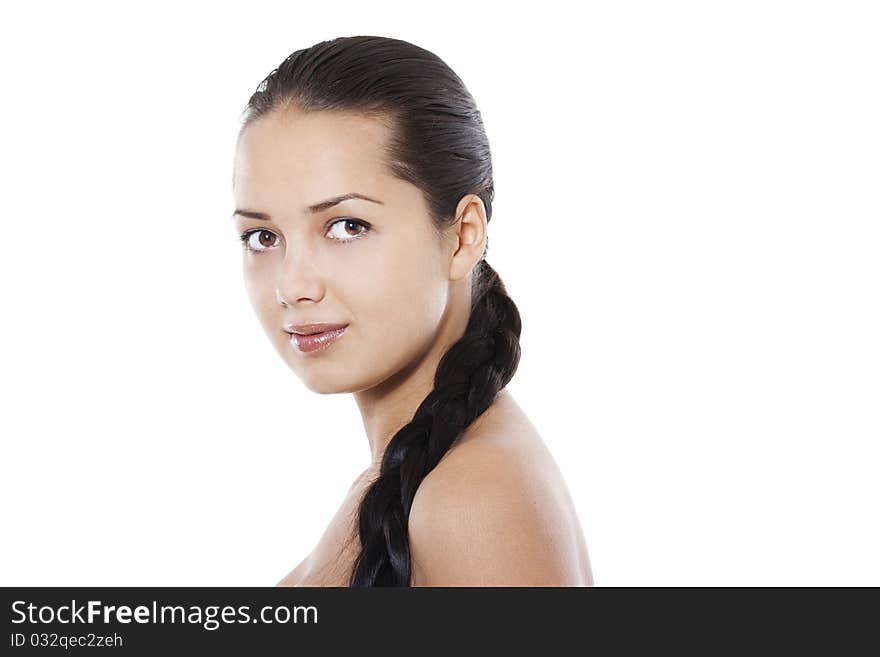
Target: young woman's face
[378, 267]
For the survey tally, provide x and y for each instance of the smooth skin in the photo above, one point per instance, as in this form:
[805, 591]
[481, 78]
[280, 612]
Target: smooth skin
[495, 511]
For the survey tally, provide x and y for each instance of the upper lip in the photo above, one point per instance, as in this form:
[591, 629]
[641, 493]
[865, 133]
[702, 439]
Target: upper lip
[310, 329]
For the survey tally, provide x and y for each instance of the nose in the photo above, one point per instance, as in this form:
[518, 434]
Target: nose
[299, 279]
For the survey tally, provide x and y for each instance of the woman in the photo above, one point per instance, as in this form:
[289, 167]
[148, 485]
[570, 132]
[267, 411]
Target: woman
[363, 188]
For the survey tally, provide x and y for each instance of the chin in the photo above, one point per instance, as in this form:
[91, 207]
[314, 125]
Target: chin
[326, 381]
[324, 387]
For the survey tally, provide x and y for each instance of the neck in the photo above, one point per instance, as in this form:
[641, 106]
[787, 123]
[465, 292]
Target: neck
[389, 406]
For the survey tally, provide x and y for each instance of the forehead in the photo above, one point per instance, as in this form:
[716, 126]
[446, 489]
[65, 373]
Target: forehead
[300, 157]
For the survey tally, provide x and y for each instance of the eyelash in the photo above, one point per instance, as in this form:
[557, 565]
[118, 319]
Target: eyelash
[245, 236]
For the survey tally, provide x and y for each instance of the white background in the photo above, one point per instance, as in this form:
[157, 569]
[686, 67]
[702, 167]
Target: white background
[687, 208]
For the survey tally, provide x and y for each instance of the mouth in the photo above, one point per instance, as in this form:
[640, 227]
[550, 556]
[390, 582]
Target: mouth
[316, 341]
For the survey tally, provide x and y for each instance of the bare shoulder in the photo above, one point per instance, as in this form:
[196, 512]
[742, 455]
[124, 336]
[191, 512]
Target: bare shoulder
[295, 576]
[495, 512]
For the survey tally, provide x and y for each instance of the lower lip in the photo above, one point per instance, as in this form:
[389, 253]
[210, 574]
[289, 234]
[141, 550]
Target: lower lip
[316, 341]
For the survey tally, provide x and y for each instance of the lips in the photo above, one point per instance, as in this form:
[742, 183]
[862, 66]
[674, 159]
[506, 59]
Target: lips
[312, 329]
[316, 341]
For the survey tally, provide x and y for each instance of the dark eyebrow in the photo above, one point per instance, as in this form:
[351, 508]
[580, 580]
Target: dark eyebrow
[317, 207]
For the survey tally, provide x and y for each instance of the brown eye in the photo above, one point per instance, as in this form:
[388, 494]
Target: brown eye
[265, 238]
[348, 230]
[259, 240]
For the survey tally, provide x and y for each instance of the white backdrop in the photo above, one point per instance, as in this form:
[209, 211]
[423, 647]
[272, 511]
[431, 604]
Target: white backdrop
[686, 214]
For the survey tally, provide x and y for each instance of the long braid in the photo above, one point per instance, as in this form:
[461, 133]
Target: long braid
[468, 378]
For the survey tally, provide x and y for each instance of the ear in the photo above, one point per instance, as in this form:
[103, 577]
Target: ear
[470, 234]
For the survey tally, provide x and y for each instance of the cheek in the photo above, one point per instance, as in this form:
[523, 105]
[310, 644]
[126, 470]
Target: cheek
[262, 298]
[256, 289]
[253, 288]
[402, 296]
